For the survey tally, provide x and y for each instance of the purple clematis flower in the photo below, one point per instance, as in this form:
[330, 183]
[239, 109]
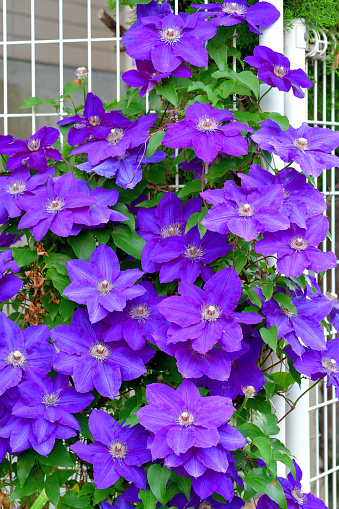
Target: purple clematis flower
[314, 291]
[34, 151]
[100, 285]
[56, 207]
[7, 239]
[203, 129]
[124, 135]
[301, 200]
[261, 14]
[120, 503]
[95, 121]
[274, 69]
[181, 502]
[5, 415]
[310, 147]
[20, 183]
[170, 40]
[196, 165]
[118, 451]
[146, 77]
[126, 169]
[10, 285]
[304, 326]
[296, 248]
[138, 321]
[23, 352]
[49, 404]
[207, 317]
[245, 213]
[90, 361]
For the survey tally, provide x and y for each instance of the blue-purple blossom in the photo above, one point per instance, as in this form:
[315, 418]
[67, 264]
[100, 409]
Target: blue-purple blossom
[7, 239]
[314, 291]
[100, 285]
[120, 503]
[230, 13]
[296, 248]
[34, 151]
[245, 213]
[196, 165]
[118, 451]
[49, 404]
[22, 353]
[181, 502]
[170, 40]
[274, 69]
[5, 415]
[207, 317]
[91, 361]
[310, 147]
[10, 285]
[146, 77]
[56, 207]
[204, 130]
[301, 200]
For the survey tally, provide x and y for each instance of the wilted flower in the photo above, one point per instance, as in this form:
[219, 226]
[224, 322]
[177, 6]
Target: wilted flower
[81, 72]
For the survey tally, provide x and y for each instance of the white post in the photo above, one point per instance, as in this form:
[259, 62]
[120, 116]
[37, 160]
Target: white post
[297, 423]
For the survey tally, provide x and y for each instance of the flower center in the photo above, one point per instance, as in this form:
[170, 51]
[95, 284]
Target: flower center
[298, 495]
[299, 243]
[249, 391]
[170, 35]
[118, 450]
[301, 144]
[94, 120]
[205, 505]
[233, 8]
[280, 71]
[330, 365]
[185, 418]
[331, 296]
[115, 135]
[17, 187]
[207, 125]
[193, 252]
[16, 358]
[246, 210]
[33, 145]
[139, 312]
[55, 205]
[104, 287]
[50, 400]
[100, 352]
[210, 313]
[287, 312]
[172, 230]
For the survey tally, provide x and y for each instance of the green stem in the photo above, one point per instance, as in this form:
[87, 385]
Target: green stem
[84, 89]
[40, 501]
[260, 98]
[241, 407]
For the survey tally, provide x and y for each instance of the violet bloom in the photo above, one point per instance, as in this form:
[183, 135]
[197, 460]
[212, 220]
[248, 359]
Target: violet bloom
[120, 503]
[314, 291]
[296, 248]
[100, 285]
[34, 151]
[5, 415]
[196, 165]
[56, 207]
[20, 183]
[23, 352]
[301, 200]
[170, 40]
[317, 365]
[310, 147]
[7, 239]
[274, 69]
[204, 130]
[207, 317]
[126, 169]
[123, 135]
[245, 213]
[304, 326]
[49, 404]
[146, 77]
[230, 13]
[181, 419]
[138, 321]
[10, 285]
[94, 122]
[118, 451]
[181, 502]
[90, 361]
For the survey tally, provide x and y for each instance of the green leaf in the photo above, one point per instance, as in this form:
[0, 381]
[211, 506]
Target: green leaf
[261, 482]
[268, 423]
[121, 207]
[57, 261]
[66, 308]
[284, 458]
[195, 219]
[24, 256]
[249, 79]
[30, 486]
[128, 241]
[265, 449]
[195, 186]
[71, 498]
[253, 296]
[59, 280]
[25, 463]
[69, 89]
[59, 456]
[52, 489]
[219, 54]
[154, 143]
[281, 120]
[285, 302]
[148, 204]
[269, 386]
[158, 477]
[283, 380]
[270, 336]
[100, 495]
[240, 260]
[250, 431]
[183, 483]
[167, 90]
[34, 101]
[83, 244]
[103, 234]
[267, 290]
[148, 499]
